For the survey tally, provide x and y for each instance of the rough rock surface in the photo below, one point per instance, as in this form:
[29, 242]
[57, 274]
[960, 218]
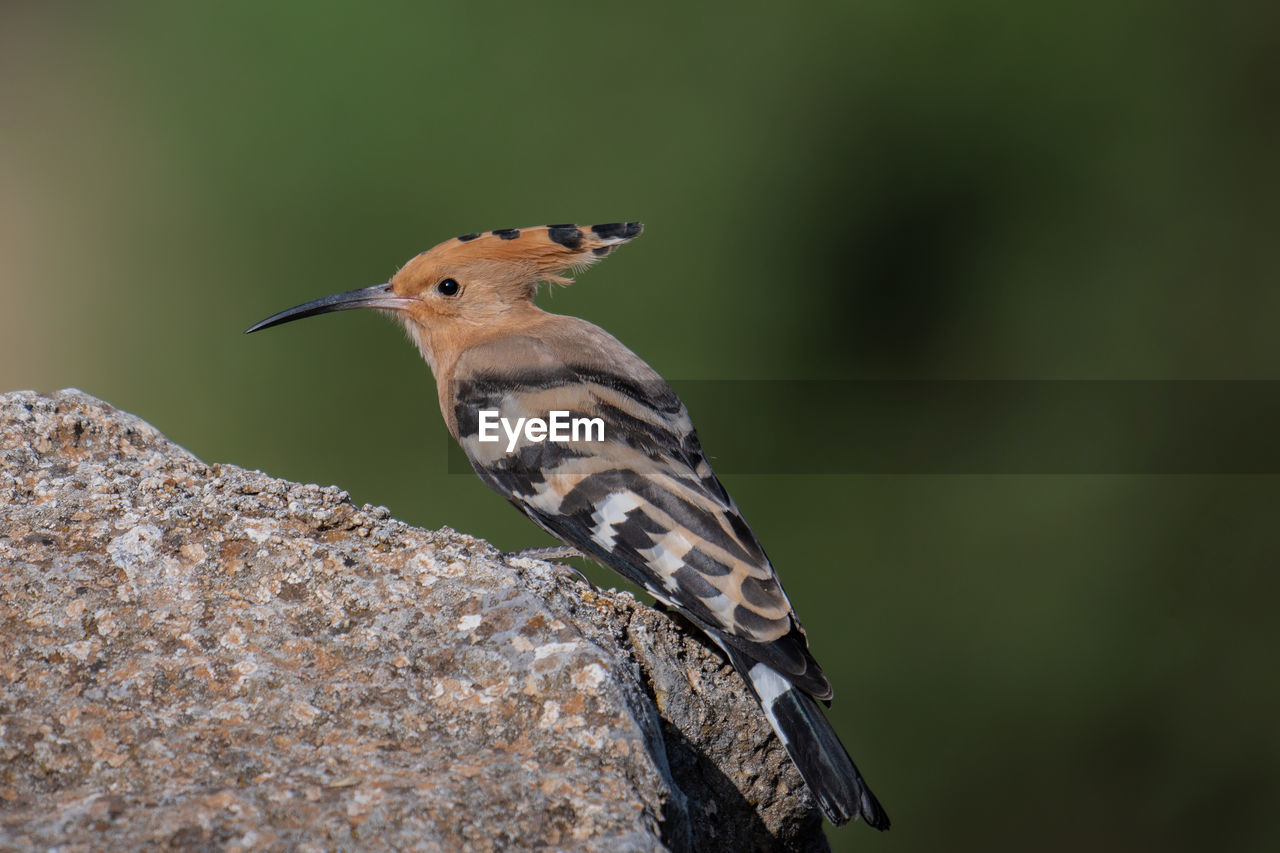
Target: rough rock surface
[199, 656]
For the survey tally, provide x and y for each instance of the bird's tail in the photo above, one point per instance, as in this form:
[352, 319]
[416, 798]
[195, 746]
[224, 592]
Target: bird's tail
[822, 760]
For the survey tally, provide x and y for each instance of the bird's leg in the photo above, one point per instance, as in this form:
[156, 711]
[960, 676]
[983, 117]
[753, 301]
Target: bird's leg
[553, 552]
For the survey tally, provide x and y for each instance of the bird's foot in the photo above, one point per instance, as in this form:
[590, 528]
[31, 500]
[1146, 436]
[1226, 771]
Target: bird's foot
[554, 552]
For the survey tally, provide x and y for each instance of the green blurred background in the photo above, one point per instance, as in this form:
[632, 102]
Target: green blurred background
[860, 190]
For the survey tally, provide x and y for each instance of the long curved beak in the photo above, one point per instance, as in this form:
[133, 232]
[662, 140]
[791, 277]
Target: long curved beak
[378, 296]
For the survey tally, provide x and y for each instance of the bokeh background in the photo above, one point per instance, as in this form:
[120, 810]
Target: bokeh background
[833, 191]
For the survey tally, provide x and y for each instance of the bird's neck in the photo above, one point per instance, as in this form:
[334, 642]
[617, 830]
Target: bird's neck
[442, 345]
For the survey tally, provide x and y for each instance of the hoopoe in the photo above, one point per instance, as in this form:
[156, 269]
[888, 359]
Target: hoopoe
[643, 500]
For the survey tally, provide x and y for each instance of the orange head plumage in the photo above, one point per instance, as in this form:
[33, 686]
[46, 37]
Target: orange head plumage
[474, 286]
[509, 263]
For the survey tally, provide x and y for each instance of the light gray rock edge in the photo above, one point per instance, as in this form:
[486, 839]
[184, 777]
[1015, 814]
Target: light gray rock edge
[204, 657]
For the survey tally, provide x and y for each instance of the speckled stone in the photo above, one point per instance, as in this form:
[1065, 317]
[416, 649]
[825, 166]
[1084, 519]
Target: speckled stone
[199, 656]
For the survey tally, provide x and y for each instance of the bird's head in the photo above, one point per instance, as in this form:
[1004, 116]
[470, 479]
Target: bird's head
[475, 282]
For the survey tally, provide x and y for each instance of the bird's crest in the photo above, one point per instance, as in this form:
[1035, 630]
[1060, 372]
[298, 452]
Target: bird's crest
[527, 256]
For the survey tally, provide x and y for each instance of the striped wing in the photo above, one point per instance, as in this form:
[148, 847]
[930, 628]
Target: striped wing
[644, 501]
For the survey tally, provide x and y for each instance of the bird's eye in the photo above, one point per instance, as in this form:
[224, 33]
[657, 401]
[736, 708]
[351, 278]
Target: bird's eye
[448, 287]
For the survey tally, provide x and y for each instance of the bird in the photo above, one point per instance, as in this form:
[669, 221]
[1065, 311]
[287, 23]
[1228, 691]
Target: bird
[632, 490]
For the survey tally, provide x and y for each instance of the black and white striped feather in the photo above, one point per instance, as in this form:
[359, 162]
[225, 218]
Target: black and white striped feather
[646, 503]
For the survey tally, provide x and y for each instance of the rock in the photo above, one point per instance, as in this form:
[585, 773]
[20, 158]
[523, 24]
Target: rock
[204, 657]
